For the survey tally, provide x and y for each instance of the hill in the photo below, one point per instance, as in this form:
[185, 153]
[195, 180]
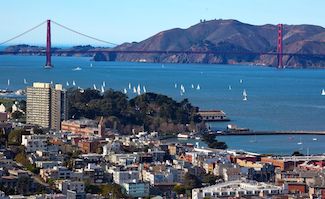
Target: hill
[232, 36]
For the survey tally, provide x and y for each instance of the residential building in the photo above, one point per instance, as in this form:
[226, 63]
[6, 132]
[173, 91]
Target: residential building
[138, 189]
[35, 142]
[238, 188]
[46, 105]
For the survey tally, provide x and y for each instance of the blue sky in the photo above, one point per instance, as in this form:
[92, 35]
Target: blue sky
[121, 21]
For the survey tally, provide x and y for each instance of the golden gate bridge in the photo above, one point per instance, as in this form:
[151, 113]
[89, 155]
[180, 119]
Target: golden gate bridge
[48, 50]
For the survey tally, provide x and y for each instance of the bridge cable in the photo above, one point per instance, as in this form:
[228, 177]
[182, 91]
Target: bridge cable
[79, 33]
[27, 31]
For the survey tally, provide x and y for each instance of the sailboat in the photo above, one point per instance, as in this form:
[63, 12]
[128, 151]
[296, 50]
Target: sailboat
[67, 83]
[198, 87]
[8, 82]
[314, 139]
[182, 88]
[91, 64]
[125, 91]
[323, 92]
[175, 85]
[51, 82]
[229, 88]
[139, 90]
[300, 142]
[104, 83]
[144, 89]
[102, 89]
[241, 81]
[192, 86]
[134, 89]
[94, 86]
[25, 82]
[73, 83]
[244, 95]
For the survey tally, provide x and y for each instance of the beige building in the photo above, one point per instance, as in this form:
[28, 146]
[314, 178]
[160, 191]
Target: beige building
[46, 105]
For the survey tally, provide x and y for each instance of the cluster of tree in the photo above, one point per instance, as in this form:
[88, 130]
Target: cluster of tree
[106, 190]
[148, 111]
[212, 142]
[192, 181]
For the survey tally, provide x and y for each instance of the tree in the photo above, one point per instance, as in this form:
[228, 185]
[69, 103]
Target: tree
[297, 153]
[191, 181]
[14, 137]
[17, 115]
[179, 189]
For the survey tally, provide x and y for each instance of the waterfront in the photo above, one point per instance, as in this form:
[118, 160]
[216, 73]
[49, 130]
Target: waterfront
[276, 144]
[277, 100]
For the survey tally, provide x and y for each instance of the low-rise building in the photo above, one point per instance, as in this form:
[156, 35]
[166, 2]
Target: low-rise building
[238, 189]
[138, 189]
[35, 142]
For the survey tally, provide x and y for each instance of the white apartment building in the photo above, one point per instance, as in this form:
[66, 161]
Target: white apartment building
[35, 143]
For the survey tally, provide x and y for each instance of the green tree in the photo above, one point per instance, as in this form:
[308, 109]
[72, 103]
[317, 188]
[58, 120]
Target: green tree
[17, 115]
[14, 137]
[179, 189]
[297, 153]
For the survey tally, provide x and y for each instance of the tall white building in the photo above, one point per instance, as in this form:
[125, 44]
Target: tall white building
[46, 105]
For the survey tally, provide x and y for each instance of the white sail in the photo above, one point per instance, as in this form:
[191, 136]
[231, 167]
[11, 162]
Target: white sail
[51, 82]
[130, 86]
[95, 88]
[139, 89]
[182, 88]
[25, 81]
[198, 87]
[229, 87]
[91, 64]
[102, 89]
[67, 83]
[244, 95]
[134, 89]
[8, 82]
[73, 83]
[104, 83]
[144, 89]
[175, 85]
[192, 85]
[323, 92]
[125, 91]
[241, 81]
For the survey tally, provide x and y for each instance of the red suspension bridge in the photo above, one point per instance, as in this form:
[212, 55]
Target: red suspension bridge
[48, 52]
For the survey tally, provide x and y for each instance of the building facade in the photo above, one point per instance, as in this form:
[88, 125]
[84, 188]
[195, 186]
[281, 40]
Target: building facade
[46, 105]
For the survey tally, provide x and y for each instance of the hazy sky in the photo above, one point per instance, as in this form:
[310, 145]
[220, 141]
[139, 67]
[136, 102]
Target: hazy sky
[134, 20]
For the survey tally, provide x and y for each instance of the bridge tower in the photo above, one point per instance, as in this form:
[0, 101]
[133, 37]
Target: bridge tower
[280, 46]
[48, 63]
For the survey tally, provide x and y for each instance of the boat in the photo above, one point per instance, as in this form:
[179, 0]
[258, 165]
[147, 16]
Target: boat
[139, 89]
[102, 89]
[25, 82]
[67, 83]
[73, 83]
[198, 87]
[144, 89]
[51, 82]
[192, 86]
[130, 86]
[162, 66]
[244, 95]
[8, 82]
[300, 142]
[91, 64]
[314, 139]
[134, 89]
[182, 88]
[229, 88]
[241, 81]
[104, 83]
[77, 69]
[183, 136]
[175, 85]
[125, 91]
[198, 138]
[94, 86]
[323, 92]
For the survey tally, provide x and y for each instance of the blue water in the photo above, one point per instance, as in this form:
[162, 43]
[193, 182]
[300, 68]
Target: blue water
[277, 99]
[277, 144]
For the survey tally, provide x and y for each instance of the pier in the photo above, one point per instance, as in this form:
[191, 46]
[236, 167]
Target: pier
[237, 133]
